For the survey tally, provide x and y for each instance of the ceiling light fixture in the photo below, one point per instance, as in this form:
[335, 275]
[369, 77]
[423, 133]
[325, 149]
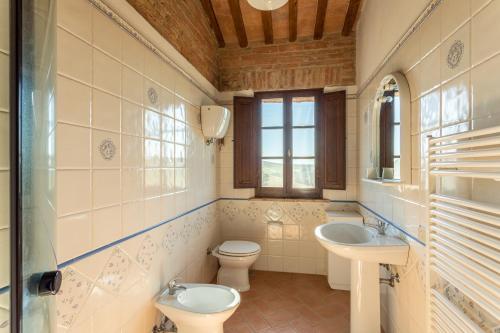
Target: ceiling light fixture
[267, 4]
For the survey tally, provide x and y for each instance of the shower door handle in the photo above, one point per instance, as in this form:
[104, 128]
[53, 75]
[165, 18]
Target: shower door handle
[49, 283]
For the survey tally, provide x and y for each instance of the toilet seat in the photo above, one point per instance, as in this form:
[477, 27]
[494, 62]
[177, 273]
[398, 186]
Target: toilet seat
[239, 248]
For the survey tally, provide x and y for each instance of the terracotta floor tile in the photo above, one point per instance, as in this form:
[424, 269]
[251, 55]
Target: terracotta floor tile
[290, 303]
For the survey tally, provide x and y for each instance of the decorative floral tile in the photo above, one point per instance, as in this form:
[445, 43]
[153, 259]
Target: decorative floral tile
[471, 309]
[230, 210]
[297, 212]
[115, 271]
[197, 224]
[74, 291]
[186, 231]
[146, 252]
[4, 320]
[275, 212]
[252, 211]
[170, 239]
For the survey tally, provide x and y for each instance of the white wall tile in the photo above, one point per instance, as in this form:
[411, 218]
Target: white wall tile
[4, 28]
[4, 140]
[133, 52]
[132, 156]
[132, 184]
[5, 257]
[74, 57]
[106, 34]
[106, 188]
[4, 199]
[106, 73]
[74, 236]
[72, 147]
[106, 226]
[132, 85]
[76, 16]
[73, 191]
[4, 77]
[73, 101]
[483, 37]
[133, 217]
[105, 111]
[455, 100]
[485, 98]
[453, 14]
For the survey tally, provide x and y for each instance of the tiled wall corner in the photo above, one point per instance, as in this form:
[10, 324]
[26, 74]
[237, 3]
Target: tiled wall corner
[130, 155]
[448, 96]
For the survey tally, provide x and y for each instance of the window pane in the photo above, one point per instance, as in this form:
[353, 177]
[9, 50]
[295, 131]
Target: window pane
[303, 111]
[397, 109]
[272, 173]
[303, 173]
[272, 112]
[272, 143]
[397, 168]
[396, 139]
[303, 142]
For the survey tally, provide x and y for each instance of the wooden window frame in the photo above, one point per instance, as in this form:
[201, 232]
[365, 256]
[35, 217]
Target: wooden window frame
[287, 191]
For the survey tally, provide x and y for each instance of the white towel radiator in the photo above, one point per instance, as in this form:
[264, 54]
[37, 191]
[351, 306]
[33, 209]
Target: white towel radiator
[463, 238]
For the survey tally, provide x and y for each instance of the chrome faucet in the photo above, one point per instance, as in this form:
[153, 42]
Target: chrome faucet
[173, 287]
[381, 226]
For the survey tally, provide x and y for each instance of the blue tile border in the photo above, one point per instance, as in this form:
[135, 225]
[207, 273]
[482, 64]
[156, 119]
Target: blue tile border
[4, 290]
[121, 240]
[395, 225]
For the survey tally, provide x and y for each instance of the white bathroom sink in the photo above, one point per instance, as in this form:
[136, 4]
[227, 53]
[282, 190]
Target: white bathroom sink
[367, 249]
[362, 243]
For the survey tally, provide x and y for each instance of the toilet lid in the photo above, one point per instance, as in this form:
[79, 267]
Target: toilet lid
[240, 248]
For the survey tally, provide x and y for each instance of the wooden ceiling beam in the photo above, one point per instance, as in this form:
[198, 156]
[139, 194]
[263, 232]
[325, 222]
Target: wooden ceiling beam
[292, 20]
[320, 19]
[267, 26]
[209, 10]
[239, 25]
[350, 16]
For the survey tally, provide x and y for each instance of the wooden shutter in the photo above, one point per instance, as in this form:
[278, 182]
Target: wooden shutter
[333, 140]
[387, 133]
[245, 142]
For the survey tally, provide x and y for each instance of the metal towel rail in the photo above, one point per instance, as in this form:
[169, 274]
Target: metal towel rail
[463, 234]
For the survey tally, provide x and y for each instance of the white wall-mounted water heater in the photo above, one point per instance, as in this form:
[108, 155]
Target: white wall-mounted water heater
[214, 122]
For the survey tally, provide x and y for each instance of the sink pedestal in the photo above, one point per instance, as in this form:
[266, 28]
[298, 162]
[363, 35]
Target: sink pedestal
[188, 328]
[365, 297]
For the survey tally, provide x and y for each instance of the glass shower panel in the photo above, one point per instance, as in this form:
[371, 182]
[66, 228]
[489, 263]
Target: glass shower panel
[37, 164]
[4, 169]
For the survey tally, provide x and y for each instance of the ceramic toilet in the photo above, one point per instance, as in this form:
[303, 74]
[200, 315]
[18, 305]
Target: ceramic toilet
[235, 258]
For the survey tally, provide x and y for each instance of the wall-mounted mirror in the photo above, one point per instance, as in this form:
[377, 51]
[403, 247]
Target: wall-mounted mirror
[391, 151]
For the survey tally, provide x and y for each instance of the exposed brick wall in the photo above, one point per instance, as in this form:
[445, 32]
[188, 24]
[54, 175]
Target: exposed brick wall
[184, 24]
[283, 65]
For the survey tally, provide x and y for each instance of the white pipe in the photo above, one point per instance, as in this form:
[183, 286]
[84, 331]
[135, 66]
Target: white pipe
[466, 154]
[465, 135]
[491, 141]
[469, 174]
[467, 203]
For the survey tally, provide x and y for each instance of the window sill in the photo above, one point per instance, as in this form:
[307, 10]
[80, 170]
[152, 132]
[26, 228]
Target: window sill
[385, 182]
[288, 199]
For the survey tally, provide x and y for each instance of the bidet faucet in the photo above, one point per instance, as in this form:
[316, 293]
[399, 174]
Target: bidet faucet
[381, 226]
[173, 287]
